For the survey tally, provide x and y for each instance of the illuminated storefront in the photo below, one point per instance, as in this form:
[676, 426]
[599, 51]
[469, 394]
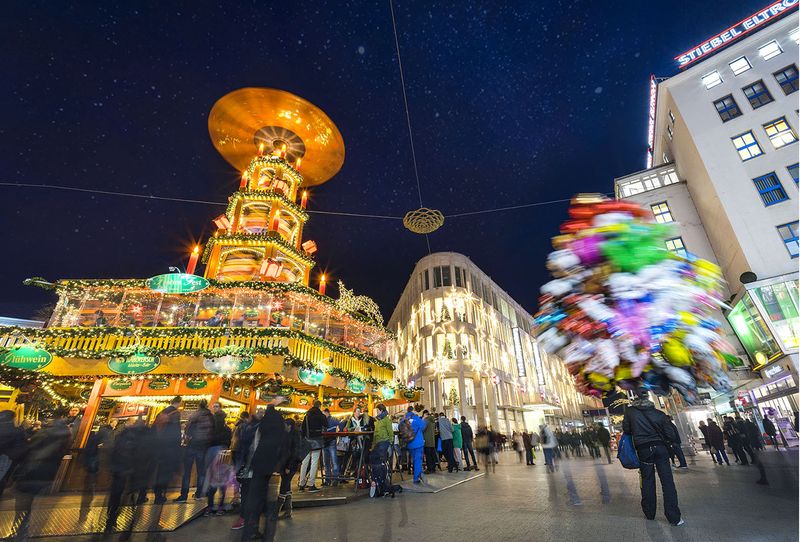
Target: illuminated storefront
[766, 319]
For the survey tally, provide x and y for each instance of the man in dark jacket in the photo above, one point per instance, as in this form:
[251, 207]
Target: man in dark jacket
[735, 439]
[128, 466]
[199, 431]
[649, 429]
[38, 470]
[329, 458]
[167, 447]
[675, 444]
[769, 429]
[314, 423]
[13, 446]
[716, 442]
[744, 436]
[753, 434]
[270, 454]
[604, 438]
[467, 438]
[429, 440]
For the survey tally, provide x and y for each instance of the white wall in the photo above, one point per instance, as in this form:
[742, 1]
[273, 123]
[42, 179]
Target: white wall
[742, 231]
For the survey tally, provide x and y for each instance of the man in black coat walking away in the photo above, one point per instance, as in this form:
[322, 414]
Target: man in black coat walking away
[38, 470]
[649, 429]
[467, 440]
[270, 455]
[604, 438]
[199, 432]
[167, 447]
[769, 429]
[314, 423]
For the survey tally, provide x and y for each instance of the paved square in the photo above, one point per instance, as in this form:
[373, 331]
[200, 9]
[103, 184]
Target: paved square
[585, 500]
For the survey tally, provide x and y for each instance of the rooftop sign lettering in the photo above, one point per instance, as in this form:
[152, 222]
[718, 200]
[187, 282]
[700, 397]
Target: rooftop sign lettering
[725, 38]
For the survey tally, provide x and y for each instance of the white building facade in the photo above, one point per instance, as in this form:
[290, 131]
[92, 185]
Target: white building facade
[471, 347]
[724, 154]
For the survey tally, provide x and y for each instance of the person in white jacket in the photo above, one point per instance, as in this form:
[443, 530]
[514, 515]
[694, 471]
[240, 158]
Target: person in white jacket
[548, 443]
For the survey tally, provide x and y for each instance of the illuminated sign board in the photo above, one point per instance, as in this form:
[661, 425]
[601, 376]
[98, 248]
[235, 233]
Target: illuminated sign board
[518, 352]
[772, 370]
[725, 38]
[177, 283]
[651, 120]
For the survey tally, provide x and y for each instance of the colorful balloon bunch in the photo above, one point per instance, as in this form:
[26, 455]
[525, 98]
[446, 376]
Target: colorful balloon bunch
[624, 311]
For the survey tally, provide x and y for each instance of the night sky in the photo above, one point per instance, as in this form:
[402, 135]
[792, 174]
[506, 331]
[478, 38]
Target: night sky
[509, 105]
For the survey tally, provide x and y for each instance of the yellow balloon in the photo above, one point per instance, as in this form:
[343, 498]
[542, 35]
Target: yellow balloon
[688, 318]
[623, 372]
[676, 353]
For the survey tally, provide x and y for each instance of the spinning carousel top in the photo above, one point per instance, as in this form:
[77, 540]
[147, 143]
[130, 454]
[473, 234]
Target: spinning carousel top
[245, 119]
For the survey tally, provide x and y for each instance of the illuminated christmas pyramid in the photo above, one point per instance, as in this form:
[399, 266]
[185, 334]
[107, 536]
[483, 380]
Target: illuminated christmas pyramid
[269, 134]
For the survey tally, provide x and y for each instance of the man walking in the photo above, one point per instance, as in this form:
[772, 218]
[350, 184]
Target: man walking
[446, 434]
[311, 429]
[198, 438]
[604, 438]
[675, 444]
[167, 437]
[528, 445]
[549, 444]
[382, 439]
[416, 444]
[649, 428]
[429, 434]
[467, 439]
[716, 443]
[329, 451]
[704, 430]
[769, 429]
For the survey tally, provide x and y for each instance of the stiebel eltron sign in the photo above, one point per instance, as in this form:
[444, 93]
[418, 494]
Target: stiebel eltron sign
[735, 32]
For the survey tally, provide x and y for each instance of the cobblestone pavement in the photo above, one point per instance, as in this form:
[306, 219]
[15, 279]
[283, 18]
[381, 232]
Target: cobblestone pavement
[585, 500]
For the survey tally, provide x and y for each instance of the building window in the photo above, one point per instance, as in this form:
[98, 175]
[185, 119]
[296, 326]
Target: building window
[661, 212]
[747, 146]
[447, 278]
[793, 172]
[459, 278]
[710, 80]
[758, 94]
[427, 280]
[664, 158]
[676, 245]
[740, 65]
[787, 79]
[770, 189]
[780, 133]
[727, 108]
[790, 238]
[437, 277]
[671, 116]
[770, 50]
[794, 35]
[669, 132]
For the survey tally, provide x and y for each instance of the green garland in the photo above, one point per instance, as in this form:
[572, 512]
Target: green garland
[263, 195]
[164, 332]
[269, 237]
[75, 286]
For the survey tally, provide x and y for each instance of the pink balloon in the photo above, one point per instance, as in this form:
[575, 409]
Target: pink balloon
[587, 249]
